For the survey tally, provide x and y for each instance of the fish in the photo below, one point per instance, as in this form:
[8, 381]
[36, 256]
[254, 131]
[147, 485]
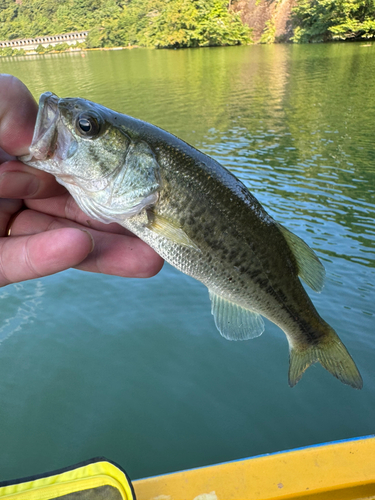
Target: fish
[196, 215]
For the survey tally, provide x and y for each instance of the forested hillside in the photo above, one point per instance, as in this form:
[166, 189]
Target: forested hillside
[189, 23]
[325, 20]
[308, 20]
[148, 23]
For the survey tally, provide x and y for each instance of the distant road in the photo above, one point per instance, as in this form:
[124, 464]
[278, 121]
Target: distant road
[30, 44]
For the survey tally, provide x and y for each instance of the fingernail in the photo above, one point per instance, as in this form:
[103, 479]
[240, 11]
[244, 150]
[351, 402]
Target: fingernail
[91, 237]
[18, 185]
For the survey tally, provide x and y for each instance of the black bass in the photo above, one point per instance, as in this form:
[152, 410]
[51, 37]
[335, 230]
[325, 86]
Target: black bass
[198, 216]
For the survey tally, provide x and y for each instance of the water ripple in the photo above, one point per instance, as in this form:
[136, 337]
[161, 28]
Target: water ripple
[21, 304]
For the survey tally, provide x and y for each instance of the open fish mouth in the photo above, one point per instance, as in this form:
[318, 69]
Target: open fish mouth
[44, 140]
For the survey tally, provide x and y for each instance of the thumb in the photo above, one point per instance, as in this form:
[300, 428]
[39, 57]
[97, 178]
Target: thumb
[18, 111]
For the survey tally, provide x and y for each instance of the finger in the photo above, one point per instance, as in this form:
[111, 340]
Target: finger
[30, 257]
[7, 209]
[65, 207]
[116, 254]
[18, 180]
[121, 255]
[18, 111]
[5, 156]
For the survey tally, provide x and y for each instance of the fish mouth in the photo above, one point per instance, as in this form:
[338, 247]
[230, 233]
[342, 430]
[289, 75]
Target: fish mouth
[44, 142]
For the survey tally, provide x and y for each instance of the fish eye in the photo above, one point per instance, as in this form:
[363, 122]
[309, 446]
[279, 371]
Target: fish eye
[87, 125]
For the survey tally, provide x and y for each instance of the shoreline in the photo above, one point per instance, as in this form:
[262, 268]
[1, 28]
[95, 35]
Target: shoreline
[35, 53]
[130, 47]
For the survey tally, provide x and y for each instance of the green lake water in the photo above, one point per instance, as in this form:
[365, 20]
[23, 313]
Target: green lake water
[135, 370]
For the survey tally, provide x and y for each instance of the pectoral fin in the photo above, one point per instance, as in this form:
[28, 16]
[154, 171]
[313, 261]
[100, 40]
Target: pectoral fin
[169, 229]
[233, 321]
[310, 269]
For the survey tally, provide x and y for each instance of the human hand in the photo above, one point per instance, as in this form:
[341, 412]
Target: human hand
[51, 233]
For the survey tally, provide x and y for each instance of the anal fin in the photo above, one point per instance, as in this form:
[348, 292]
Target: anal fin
[233, 321]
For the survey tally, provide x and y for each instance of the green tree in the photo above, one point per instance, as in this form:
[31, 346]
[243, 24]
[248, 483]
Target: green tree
[325, 20]
[269, 32]
[94, 39]
[197, 23]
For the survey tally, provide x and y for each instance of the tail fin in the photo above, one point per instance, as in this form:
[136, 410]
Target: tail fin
[332, 355]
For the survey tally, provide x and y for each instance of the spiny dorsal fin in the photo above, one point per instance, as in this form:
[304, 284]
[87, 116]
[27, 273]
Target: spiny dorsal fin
[233, 321]
[310, 269]
[169, 230]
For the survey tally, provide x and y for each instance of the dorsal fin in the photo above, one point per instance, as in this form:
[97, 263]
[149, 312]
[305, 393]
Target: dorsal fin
[310, 269]
[233, 321]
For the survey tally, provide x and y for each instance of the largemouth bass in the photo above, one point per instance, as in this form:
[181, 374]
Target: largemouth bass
[198, 216]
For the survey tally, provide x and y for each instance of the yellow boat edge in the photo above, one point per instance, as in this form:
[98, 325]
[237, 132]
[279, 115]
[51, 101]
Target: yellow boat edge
[340, 470]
